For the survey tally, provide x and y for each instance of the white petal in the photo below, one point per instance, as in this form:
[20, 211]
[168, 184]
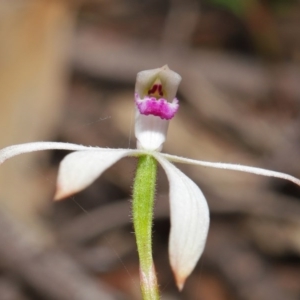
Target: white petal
[14, 150]
[189, 221]
[150, 131]
[234, 167]
[170, 81]
[79, 169]
[144, 79]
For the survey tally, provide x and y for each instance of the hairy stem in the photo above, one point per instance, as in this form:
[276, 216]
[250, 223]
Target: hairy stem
[143, 202]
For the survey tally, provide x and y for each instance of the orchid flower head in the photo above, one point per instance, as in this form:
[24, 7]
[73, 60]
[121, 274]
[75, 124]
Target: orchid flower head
[155, 92]
[189, 211]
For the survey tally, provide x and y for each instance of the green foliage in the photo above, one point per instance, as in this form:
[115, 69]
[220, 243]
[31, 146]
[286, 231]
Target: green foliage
[237, 7]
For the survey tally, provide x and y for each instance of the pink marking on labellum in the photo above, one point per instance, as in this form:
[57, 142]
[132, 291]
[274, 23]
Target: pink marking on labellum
[157, 107]
[160, 90]
[156, 90]
[153, 89]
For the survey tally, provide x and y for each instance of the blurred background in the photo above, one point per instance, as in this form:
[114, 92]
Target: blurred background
[67, 74]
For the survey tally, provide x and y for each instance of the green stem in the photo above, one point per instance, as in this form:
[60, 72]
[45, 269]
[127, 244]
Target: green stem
[143, 203]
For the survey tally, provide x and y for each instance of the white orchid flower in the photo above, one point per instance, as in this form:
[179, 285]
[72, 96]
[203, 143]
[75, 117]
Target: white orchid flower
[156, 105]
